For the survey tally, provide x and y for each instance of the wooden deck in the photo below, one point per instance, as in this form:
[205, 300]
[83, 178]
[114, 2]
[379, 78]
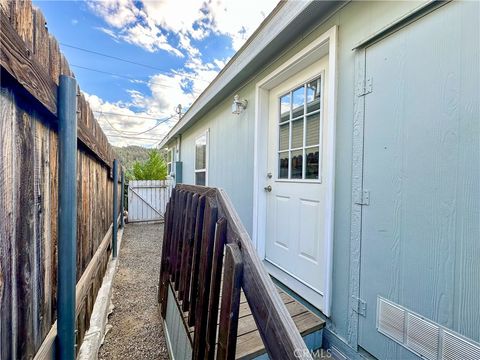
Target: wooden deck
[249, 342]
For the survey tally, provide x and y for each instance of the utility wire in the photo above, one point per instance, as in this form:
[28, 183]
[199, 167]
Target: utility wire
[127, 115]
[132, 133]
[133, 137]
[125, 77]
[127, 61]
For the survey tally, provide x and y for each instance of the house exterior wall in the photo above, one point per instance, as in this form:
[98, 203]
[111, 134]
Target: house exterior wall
[230, 150]
[231, 143]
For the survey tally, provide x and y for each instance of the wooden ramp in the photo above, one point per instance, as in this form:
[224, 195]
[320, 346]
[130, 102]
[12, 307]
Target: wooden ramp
[249, 342]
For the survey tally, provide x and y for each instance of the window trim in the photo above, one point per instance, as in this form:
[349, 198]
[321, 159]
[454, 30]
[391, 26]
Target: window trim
[171, 151]
[206, 133]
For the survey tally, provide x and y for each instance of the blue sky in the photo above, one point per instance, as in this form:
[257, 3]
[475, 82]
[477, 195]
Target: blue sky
[182, 43]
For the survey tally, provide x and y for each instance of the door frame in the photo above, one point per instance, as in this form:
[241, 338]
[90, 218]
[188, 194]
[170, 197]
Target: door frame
[324, 45]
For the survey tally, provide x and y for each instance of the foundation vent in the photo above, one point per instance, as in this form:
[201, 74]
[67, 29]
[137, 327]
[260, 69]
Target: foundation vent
[455, 347]
[422, 337]
[390, 320]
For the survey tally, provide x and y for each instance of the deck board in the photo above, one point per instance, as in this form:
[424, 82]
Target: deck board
[249, 342]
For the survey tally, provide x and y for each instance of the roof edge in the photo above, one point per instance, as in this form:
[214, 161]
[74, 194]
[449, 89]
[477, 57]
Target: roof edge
[284, 14]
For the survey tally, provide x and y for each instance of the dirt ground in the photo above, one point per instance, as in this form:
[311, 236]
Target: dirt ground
[136, 331]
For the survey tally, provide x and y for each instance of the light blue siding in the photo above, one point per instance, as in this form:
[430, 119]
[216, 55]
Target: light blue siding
[231, 160]
[421, 231]
[230, 149]
[178, 341]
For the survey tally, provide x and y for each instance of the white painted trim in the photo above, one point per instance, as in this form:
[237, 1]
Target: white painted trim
[323, 45]
[171, 151]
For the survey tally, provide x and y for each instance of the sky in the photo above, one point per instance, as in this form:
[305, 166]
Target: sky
[173, 48]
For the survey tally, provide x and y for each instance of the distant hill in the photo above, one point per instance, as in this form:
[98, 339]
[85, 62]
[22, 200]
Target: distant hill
[129, 154]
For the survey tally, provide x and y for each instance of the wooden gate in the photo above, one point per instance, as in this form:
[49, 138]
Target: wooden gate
[147, 199]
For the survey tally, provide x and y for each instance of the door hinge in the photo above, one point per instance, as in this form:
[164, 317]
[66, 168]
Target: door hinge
[363, 198]
[365, 86]
[360, 306]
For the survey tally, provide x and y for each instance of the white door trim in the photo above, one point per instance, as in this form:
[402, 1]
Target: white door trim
[326, 44]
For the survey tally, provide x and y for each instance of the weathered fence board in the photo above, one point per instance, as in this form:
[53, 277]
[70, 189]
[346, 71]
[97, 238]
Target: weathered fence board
[241, 269]
[147, 199]
[232, 287]
[30, 66]
[7, 251]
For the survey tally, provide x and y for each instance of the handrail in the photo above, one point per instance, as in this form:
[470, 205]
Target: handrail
[201, 227]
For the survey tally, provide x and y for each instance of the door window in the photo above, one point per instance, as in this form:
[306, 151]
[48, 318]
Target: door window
[299, 129]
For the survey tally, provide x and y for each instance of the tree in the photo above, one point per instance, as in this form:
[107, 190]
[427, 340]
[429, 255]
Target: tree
[154, 168]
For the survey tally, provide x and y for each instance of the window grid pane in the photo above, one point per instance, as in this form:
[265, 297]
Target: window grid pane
[284, 135]
[285, 108]
[283, 165]
[300, 132]
[296, 166]
[312, 162]
[201, 153]
[313, 130]
[297, 134]
[200, 178]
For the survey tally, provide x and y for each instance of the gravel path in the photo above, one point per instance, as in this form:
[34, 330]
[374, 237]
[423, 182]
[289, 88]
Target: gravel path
[136, 331]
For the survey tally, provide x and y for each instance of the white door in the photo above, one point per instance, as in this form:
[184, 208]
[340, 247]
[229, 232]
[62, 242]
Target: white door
[297, 183]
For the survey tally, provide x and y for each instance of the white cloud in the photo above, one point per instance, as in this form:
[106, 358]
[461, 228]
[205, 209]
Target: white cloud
[189, 19]
[166, 91]
[238, 19]
[117, 13]
[171, 26]
[122, 130]
[148, 37]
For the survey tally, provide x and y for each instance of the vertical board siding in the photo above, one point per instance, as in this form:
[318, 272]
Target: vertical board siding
[29, 187]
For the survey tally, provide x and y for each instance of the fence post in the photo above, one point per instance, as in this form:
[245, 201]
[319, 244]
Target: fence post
[67, 216]
[122, 201]
[115, 208]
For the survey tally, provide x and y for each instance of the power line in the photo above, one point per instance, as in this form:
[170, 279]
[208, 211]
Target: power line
[127, 115]
[140, 133]
[124, 76]
[133, 137]
[128, 61]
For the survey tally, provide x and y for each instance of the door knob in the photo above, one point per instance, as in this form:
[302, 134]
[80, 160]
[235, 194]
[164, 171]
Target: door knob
[268, 188]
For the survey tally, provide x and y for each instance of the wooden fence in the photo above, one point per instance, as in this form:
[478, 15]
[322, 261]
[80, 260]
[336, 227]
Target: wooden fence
[207, 259]
[30, 67]
[147, 199]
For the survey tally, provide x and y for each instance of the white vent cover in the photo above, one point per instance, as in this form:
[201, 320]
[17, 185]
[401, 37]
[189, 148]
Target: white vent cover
[390, 320]
[421, 336]
[455, 347]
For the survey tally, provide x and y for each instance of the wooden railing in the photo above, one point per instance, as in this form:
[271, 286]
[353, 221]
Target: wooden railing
[208, 258]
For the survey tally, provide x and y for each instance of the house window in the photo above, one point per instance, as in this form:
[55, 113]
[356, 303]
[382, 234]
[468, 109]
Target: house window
[299, 139]
[201, 159]
[169, 161]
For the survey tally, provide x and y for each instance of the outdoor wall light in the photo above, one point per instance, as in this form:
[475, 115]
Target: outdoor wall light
[238, 105]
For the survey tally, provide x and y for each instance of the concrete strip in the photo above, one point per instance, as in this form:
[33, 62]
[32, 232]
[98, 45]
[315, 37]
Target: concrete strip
[95, 334]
